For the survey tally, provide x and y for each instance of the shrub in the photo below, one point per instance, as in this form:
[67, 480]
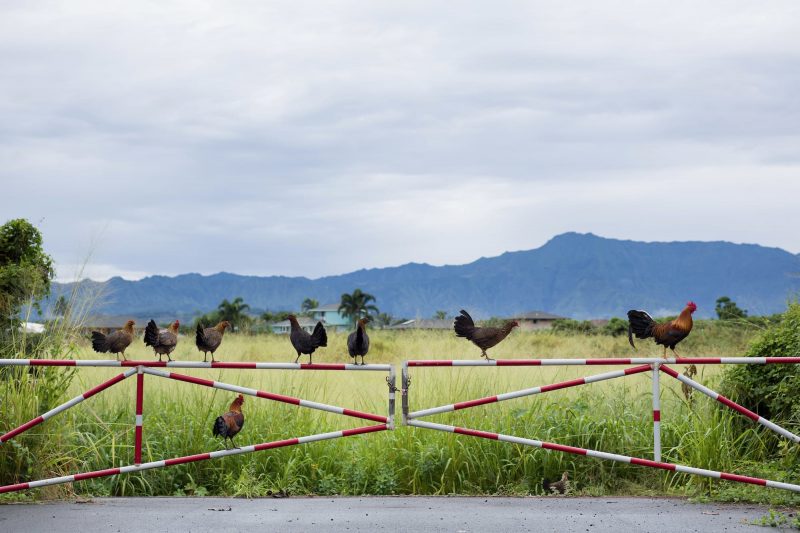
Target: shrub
[770, 390]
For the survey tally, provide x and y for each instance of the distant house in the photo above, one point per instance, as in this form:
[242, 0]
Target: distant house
[535, 320]
[284, 326]
[330, 316]
[425, 323]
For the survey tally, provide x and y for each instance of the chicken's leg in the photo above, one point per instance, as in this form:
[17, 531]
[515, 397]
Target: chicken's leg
[676, 353]
[297, 358]
[484, 354]
[205, 356]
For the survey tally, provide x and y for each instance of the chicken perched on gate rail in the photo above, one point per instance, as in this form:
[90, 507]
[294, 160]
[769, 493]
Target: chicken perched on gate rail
[668, 334]
[484, 338]
[562, 486]
[358, 341]
[230, 424]
[209, 339]
[304, 342]
[163, 341]
[115, 342]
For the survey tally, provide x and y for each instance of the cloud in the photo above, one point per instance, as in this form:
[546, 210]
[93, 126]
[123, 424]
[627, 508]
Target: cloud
[306, 139]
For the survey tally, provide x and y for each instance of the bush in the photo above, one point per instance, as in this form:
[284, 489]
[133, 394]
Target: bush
[569, 326]
[770, 390]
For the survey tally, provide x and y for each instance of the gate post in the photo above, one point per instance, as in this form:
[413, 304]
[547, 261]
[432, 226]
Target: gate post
[137, 447]
[656, 413]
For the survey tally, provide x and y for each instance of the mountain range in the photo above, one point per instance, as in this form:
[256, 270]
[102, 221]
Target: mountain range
[575, 275]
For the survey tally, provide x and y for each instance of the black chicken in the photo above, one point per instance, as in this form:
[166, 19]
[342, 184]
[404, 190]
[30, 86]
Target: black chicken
[358, 341]
[304, 342]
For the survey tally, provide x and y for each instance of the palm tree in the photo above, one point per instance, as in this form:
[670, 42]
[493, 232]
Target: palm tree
[356, 305]
[307, 305]
[234, 312]
[440, 315]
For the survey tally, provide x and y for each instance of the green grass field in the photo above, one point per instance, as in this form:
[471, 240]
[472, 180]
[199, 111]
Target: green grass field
[613, 416]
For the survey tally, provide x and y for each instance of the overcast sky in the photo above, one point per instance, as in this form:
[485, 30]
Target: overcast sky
[302, 138]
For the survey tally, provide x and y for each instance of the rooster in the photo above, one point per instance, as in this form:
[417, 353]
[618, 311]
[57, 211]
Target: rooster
[562, 486]
[358, 341]
[163, 341]
[114, 342]
[230, 424]
[668, 334]
[304, 342]
[483, 338]
[209, 339]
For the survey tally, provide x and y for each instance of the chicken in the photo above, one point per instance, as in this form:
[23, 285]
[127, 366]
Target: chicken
[304, 342]
[689, 372]
[483, 338]
[115, 342]
[668, 334]
[562, 486]
[230, 424]
[163, 341]
[209, 339]
[358, 341]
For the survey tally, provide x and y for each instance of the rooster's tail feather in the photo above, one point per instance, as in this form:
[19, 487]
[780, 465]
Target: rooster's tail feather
[220, 428]
[199, 338]
[320, 337]
[639, 324]
[99, 343]
[151, 333]
[464, 325]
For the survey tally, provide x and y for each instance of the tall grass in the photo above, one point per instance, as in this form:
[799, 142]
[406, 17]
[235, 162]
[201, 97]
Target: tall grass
[611, 416]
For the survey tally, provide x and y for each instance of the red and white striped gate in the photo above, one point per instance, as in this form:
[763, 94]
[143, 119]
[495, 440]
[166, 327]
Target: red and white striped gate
[654, 365]
[141, 368]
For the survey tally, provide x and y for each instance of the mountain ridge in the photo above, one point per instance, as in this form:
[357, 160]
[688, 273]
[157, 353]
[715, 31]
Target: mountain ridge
[580, 275]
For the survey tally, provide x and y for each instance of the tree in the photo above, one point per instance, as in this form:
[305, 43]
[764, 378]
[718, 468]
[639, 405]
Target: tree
[25, 270]
[356, 305]
[234, 312]
[728, 310]
[384, 319]
[61, 307]
[307, 305]
[440, 315]
[278, 316]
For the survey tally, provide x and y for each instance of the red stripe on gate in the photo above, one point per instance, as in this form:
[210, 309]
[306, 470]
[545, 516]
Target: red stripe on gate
[564, 384]
[473, 403]
[277, 397]
[103, 386]
[232, 365]
[24, 427]
[656, 416]
[562, 448]
[736, 407]
[518, 362]
[323, 366]
[276, 444]
[139, 393]
[653, 464]
[97, 473]
[668, 370]
[788, 360]
[187, 459]
[366, 416]
[476, 433]
[608, 362]
[52, 362]
[636, 369]
[191, 379]
[12, 488]
[359, 431]
[744, 479]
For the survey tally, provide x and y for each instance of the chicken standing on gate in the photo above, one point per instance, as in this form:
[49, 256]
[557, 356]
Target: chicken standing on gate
[230, 424]
[484, 338]
[209, 339]
[358, 341]
[163, 341]
[115, 342]
[304, 342]
[668, 334]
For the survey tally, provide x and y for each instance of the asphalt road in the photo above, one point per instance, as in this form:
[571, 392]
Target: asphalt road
[421, 514]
